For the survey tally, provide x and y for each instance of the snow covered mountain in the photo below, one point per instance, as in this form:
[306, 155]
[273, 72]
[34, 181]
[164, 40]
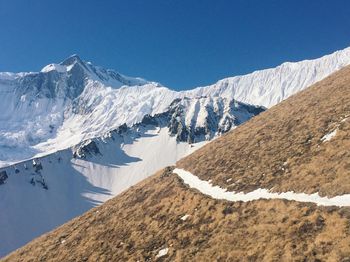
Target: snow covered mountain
[69, 102]
[37, 107]
[94, 132]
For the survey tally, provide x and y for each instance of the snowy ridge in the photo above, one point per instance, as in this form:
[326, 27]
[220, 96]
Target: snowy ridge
[270, 86]
[217, 192]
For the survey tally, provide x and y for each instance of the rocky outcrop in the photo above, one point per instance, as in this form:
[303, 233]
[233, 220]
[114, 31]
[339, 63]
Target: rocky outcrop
[199, 119]
[85, 149]
[3, 177]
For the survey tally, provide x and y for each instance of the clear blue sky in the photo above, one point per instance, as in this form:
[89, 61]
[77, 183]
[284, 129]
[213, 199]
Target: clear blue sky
[182, 44]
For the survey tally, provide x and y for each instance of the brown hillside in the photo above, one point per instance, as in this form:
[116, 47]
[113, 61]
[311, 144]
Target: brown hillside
[279, 149]
[282, 148]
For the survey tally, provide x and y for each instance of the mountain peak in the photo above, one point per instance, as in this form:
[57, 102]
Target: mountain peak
[73, 59]
[64, 66]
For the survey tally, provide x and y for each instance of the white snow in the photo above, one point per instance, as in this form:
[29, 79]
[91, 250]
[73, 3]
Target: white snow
[270, 86]
[183, 218]
[162, 252]
[329, 136]
[219, 193]
[7, 76]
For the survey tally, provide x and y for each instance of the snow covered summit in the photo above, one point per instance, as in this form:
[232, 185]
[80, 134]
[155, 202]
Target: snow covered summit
[36, 105]
[74, 65]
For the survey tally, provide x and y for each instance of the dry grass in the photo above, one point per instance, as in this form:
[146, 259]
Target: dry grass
[137, 224]
[282, 148]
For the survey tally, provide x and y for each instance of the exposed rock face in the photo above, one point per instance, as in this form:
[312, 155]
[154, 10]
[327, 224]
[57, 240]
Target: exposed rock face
[194, 120]
[199, 119]
[54, 83]
[85, 149]
[121, 129]
[39, 84]
[3, 177]
[37, 166]
[66, 80]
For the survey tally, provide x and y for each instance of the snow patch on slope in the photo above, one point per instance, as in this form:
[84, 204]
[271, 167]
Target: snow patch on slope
[329, 136]
[205, 187]
[163, 252]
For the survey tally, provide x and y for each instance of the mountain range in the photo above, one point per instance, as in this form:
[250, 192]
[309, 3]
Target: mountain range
[73, 101]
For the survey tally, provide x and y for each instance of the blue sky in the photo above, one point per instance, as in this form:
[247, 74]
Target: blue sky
[182, 44]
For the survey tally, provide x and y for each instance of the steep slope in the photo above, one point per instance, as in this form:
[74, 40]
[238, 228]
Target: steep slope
[69, 102]
[301, 145]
